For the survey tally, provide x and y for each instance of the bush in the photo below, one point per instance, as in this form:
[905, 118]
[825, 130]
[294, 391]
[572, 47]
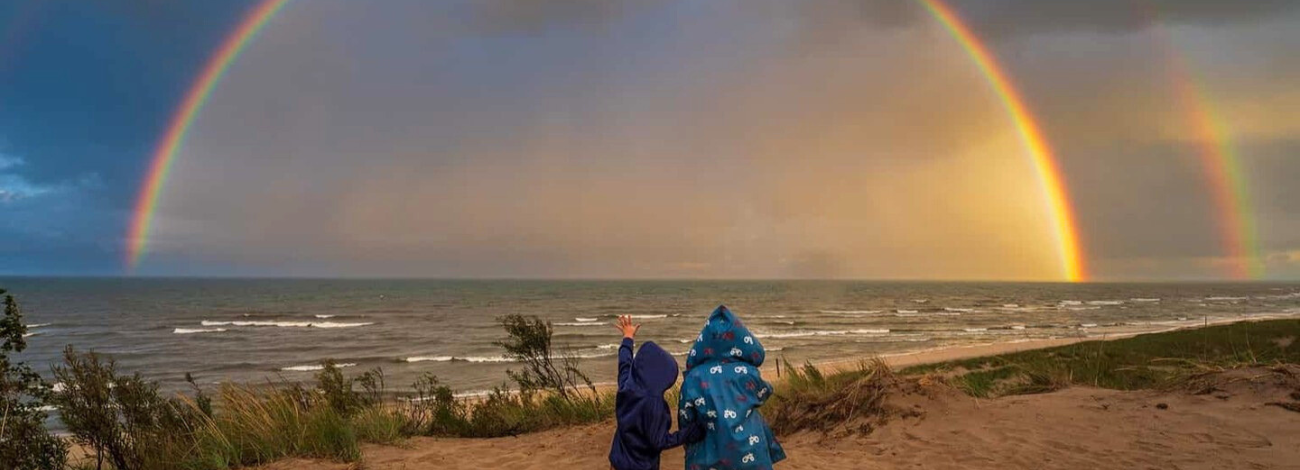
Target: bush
[119, 418]
[25, 444]
[529, 342]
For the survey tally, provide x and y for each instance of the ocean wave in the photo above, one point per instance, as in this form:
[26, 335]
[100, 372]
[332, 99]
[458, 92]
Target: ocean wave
[190, 331]
[324, 316]
[1078, 309]
[458, 359]
[906, 311]
[579, 324]
[37, 325]
[284, 324]
[581, 319]
[1070, 302]
[921, 301]
[1087, 325]
[645, 317]
[29, 335]
[1226, 298]
[314, 367]
[1105, 302]
[1144, 299]
[959, 310]
[914, 313]
[974, 330]
[804, 334]
[842, 312]
[609, 346]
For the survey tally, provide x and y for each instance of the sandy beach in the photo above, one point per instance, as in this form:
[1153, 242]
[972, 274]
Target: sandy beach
[1226, 420]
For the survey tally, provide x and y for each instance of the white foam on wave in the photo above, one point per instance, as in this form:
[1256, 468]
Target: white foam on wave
[906, 311]
[323, 316]
[643, 317]
[921, 301]
[1145, 299]
[37, 325]
[1078, 309]
[959, 310]
[1017, 327]
[314, 367]
[29, 335]
[1088, 325]
[581, 319]
[284, 324]
[974, 330]
[1071, 302]
[609, 346]
[579, 324]
[1220, 299]
[841, 312]
[190, 331]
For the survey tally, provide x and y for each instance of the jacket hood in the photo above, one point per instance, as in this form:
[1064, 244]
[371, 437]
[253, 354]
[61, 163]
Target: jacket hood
[725, 338]
[653, 368]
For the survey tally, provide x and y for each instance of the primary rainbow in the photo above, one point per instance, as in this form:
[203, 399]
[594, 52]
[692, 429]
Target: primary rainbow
[1049, 174]
[178, 127]
[1227, 182]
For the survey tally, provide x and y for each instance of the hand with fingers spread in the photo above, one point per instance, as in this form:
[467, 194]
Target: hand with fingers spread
[624, 324]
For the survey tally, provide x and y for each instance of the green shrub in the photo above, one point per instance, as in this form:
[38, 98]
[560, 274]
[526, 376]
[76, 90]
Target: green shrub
[25, 443]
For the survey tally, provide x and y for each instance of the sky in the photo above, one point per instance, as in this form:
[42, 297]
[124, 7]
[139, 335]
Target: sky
[644, 138]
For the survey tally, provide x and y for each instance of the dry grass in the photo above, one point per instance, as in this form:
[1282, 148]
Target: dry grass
[852, 401]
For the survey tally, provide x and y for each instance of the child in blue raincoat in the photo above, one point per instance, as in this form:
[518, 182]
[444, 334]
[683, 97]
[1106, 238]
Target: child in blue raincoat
[724, 389]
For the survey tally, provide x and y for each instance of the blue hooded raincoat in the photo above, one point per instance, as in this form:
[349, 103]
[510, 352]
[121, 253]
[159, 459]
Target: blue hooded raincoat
[643, 415]
[723, 388]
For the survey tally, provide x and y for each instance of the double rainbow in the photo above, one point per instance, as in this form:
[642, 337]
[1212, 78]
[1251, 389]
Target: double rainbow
[1226, 177]
[179, 126]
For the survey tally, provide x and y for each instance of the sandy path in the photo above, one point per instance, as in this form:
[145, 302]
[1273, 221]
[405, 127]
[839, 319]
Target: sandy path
[1073, 428]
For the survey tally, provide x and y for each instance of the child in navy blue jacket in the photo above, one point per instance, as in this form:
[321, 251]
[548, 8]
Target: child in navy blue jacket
[644, 417]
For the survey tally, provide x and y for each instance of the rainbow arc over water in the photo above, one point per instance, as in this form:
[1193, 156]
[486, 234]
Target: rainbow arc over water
[172, 141]
[1056, 196]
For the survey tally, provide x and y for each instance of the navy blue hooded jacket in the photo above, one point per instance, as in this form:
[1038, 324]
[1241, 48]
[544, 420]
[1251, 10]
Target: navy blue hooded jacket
[643, 415]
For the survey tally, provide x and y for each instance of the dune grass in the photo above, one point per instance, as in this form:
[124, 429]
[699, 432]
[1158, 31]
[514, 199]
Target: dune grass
[809, 400]
[1140, 362]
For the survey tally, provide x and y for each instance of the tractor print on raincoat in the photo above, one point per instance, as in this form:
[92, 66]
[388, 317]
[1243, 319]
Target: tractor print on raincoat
[724, 389]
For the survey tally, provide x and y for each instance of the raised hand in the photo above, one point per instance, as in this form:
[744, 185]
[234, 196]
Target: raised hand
[625, 325]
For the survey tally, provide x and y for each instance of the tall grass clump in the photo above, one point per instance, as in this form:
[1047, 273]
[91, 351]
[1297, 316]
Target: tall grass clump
[852, 401]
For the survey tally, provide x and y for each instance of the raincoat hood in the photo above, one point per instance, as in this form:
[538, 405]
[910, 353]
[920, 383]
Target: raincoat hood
[725, 338]
[654, 369]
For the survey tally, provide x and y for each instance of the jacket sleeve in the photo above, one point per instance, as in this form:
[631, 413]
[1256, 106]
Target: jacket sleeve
[692, 433]
[624, 364]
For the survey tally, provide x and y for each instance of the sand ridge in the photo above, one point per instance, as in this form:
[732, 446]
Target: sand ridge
[1222, 421]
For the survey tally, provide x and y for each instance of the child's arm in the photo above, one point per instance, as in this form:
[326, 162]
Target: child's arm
[629, 330]
[692, 433]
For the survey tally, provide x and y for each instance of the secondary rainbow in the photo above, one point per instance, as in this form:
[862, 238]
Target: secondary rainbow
[1064, 229]
[1222, 164]
[146, 202]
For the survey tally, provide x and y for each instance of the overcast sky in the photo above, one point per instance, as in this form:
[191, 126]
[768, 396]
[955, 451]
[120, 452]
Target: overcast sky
[643, 138]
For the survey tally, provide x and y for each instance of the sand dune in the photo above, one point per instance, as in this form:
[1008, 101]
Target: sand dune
[1227, 425]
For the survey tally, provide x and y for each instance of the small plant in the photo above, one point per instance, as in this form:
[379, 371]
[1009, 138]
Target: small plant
[529, 342]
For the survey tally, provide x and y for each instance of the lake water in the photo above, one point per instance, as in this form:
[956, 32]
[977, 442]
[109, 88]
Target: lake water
[257, 329]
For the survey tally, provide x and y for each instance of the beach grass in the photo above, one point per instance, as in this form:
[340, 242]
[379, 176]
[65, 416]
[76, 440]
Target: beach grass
[1140, 362]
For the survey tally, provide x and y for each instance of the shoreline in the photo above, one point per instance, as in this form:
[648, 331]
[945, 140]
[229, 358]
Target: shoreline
[902, 360]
